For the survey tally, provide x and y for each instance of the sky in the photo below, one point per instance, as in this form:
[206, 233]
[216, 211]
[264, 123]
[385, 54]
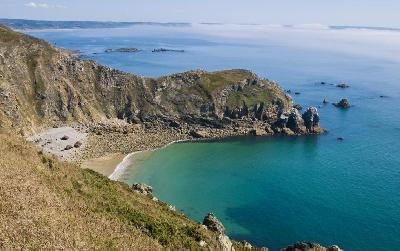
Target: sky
[328, 12]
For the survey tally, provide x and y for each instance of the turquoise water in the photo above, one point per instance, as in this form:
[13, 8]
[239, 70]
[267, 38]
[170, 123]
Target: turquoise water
[276, 191]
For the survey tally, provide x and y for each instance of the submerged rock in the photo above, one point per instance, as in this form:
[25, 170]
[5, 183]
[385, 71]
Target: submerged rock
[142, 188]
[343, 103]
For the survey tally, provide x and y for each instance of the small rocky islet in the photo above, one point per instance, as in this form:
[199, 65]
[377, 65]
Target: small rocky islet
[343, 103]
[122, 112]
[122, 50]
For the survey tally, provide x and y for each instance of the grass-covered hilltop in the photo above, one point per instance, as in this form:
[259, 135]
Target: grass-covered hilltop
[47, 201]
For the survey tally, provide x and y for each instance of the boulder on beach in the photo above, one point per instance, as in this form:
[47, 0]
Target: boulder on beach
[343, 103]
[78, 144]
[199, 134]
[65, 137]
[68, 147]
[142, 188]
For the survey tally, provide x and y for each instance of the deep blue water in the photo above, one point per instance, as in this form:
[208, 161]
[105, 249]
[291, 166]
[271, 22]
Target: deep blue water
[276, 191]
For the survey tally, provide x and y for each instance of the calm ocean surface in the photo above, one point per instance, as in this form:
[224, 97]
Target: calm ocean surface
[276, 191]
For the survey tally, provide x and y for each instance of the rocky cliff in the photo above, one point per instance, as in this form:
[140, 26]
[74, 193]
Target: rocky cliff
[42, 86]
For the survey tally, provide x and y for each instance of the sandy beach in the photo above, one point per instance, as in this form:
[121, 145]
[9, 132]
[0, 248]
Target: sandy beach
[104, 165]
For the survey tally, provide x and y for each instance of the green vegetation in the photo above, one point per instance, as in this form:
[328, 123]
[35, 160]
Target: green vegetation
[212, 81]
[47, 204]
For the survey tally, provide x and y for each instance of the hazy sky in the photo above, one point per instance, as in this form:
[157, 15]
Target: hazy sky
[330, 12]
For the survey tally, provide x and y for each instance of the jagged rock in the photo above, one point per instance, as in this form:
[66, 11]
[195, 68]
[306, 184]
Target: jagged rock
[297, 93]
[174, 124]
[78, 144]
[246, 245]
[325, 101]
[269, 130]
[343, 85]
[258, 132]
[298, 107]
[212, 223]
[287, 131]
[199, 134]
[340, 138]
[343, 103]
[295, 122]
[65, 137]
[311, 120]
[334, 248]
[308, 246]
[225, 243]
[142, 188]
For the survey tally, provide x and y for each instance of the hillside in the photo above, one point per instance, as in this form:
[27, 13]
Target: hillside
[48, 204]
[42, 86]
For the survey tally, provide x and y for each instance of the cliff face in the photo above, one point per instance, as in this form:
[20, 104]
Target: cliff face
[41, 85]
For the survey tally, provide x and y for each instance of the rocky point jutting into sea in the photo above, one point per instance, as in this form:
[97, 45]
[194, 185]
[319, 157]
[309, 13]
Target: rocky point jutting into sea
[44, 87]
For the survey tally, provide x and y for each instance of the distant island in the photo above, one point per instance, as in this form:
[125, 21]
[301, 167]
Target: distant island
[122, 50]
[166, 50]
[26, 24]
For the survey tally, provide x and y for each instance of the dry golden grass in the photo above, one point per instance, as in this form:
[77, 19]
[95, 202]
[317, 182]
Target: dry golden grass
[46, 204]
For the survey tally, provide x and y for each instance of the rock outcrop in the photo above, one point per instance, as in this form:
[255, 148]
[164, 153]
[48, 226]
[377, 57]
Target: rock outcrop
[213, 224]
[308, 246]
[293, 123]
[142, 188]
[343, 103]
[311, 120]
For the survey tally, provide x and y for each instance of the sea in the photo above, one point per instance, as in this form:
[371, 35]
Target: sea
[274, 191]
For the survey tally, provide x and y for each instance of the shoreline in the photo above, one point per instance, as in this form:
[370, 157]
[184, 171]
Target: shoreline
[121, 167]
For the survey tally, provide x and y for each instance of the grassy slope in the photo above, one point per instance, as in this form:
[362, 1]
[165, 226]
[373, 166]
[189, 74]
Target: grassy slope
[45, 204]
